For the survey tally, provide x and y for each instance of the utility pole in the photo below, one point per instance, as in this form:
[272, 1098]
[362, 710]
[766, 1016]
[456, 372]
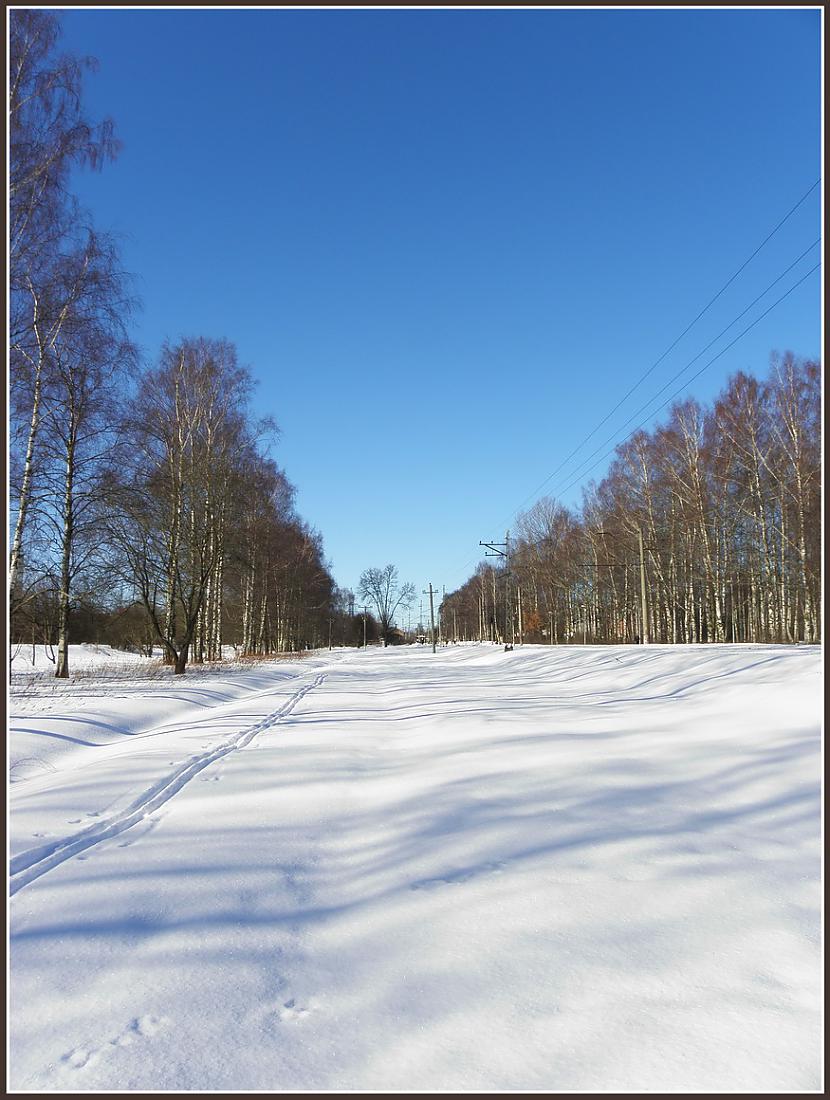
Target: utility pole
[511, 627]
[643, 599]
[497, 552]
[431, 615]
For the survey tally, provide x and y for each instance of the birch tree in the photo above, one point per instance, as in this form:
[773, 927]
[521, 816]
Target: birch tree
[49, 134]
[90, 356]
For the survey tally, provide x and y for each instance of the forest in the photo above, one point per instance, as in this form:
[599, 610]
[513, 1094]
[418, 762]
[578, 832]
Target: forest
[705, 529]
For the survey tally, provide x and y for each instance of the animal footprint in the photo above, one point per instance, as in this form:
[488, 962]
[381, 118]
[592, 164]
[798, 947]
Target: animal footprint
[211, 778]
[79, 1057]
[147, 1026]
[142, 1027]
[291, 1011]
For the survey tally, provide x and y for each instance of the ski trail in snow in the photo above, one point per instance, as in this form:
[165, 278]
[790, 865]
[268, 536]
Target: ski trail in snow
[31, 864]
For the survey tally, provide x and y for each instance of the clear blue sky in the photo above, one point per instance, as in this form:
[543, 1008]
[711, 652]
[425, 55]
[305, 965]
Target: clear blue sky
[447, 242]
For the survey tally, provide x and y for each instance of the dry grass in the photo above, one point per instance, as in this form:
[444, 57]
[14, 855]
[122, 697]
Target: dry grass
[42, 682]
[267, 658]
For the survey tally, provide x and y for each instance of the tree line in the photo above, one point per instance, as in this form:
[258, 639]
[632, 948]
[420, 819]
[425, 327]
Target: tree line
[145, 507]
[705, 529]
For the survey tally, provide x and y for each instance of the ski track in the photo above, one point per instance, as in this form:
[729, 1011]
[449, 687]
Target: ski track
[31, 864]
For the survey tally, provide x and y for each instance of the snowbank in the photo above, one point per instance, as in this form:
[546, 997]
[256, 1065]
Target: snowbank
[86, 656]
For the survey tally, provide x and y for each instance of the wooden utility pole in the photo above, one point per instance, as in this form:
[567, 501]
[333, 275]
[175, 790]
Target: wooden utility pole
[497, 552]
[511, 626]
[643, 598]
[431, 615]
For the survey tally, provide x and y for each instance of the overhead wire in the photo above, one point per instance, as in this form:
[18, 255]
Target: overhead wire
[677, 375]
[676, 341]
[697, 374]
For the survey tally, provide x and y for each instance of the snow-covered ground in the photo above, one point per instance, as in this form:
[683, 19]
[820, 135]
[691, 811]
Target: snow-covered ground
[36, 663]
[85, 657]
[110, 697]
[585, 868]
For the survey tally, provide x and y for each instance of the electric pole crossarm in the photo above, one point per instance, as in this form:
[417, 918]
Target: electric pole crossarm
[498, 552]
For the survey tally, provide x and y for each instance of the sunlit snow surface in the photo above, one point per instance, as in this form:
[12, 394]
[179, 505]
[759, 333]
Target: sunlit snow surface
[552, 869]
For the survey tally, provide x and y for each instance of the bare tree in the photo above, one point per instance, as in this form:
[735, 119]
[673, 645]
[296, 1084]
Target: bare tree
[186, 428]
[31, 354]
[81, 414]
[203, 516]
[380, 587]
[795, 456]
[48, 135]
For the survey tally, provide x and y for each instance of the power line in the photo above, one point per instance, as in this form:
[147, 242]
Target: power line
[675, 342]
[583, 470]
[697, 374]
[703, 351]
[691, 324]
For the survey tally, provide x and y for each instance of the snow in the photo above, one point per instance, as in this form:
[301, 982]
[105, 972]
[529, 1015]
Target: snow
[111, 695]
[85, 657]
[564, 868]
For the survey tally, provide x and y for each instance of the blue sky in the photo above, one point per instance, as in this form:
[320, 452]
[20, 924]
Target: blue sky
[447, 242]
